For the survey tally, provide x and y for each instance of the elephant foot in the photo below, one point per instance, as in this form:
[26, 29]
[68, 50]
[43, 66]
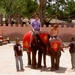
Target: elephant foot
[29, 64]
[39, 66]
[52, 69]
[57, 68]
[33, 67]
[45, 66]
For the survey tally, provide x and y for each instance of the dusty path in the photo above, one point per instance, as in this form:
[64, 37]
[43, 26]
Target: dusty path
[7, 64]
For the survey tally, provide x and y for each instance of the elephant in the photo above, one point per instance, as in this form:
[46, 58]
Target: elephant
[36, 45]
[55, 55]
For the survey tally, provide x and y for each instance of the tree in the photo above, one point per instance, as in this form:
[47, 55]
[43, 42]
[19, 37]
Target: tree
[42, 10]
[29, 8]
[22, 7]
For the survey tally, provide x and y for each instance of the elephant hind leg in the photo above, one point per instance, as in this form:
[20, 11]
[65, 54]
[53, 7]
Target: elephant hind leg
[56, 66]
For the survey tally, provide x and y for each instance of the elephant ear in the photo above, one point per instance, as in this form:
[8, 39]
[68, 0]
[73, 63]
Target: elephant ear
[44, 37]
[26, 40]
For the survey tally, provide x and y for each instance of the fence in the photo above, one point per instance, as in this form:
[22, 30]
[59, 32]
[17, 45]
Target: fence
[19, 31]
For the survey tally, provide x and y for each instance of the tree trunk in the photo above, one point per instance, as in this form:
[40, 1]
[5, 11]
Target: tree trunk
[42, 10]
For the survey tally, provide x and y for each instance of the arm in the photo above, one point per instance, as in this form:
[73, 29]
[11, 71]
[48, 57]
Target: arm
[65, 47]
[31, 25]
[15, 51]
[32, 28]
[40, 26]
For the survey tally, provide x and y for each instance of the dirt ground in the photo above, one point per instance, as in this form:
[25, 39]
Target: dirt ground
[7, 63]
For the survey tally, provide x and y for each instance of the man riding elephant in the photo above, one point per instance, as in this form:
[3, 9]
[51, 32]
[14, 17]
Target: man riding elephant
[54, 46]
[35, 26]
[36, 45]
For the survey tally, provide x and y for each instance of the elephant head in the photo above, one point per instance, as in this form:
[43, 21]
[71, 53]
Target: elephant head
[39, 43]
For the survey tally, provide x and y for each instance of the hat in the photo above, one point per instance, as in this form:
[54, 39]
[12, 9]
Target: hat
[72, 38]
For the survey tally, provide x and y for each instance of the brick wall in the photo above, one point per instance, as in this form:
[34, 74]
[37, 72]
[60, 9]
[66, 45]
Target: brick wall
[19, 31]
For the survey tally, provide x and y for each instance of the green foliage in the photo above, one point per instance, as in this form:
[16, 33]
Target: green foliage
[30, 8]
[60, 8]
[2, 11]
[23, 7]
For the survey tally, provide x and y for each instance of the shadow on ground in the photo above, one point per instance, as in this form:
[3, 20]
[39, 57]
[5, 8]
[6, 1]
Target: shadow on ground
[47, 69]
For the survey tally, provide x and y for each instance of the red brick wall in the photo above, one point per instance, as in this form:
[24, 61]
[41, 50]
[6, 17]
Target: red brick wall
[18, 31]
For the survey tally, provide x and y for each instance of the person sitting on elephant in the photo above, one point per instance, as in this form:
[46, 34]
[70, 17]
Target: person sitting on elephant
[54, 32]
[54, 35]
[35, 26]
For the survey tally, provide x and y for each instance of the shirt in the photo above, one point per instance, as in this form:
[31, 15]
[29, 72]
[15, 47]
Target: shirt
[72, 47]
[36, 25]
[18, 49]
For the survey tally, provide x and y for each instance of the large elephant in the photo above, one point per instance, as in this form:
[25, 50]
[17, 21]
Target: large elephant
[36, 45]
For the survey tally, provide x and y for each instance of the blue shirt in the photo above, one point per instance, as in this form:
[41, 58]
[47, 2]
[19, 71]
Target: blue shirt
[36, 25]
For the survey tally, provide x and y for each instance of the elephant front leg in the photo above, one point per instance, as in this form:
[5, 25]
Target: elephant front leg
[58, 59]
[52, 63]
[34, 59]
[29, 58]
[39, 59]
[57, 63]
[44, 59]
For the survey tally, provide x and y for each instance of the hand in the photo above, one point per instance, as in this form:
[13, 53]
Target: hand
[16, 55]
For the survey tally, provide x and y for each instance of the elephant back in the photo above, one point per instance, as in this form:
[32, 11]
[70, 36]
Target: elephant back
[26, 40]
[44, 37]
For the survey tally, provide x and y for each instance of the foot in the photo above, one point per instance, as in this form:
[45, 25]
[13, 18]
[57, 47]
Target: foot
[57, 68]
[73, 69]
[29, 63]
[45, 66]
[52, 69]
[18, 70]
[33, 67]
[22, 69]
[39, 66]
